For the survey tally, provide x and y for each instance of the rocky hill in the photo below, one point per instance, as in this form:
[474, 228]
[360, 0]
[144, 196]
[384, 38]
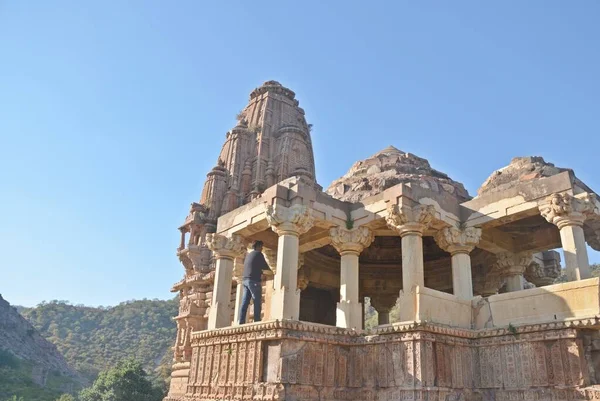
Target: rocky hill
[30, 366]
[21, 339]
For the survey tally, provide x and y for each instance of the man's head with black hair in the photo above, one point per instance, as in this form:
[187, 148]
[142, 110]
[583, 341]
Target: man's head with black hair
[257, 245]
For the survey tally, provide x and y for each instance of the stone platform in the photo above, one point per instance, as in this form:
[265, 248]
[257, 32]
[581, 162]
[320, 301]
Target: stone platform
[419, 361]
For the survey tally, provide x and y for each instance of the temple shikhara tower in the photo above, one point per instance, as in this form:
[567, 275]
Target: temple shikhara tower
[479, 315]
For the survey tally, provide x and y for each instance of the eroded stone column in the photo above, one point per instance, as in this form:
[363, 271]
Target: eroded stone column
[350, 243]
[289, 223]
[225, 251]
[511, 267]
[568, 213]
[460, 243]
[410, 222]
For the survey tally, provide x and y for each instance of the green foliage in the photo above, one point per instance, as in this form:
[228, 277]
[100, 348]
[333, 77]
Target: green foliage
[8, 360]
[349, 222]
[127, 381]
[66, 397]
[95, 339]
[17, 382]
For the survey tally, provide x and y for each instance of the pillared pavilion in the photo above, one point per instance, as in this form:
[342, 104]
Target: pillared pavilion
[473, 278]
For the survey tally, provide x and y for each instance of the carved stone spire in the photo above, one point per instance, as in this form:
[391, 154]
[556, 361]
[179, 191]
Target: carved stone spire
[270, 143]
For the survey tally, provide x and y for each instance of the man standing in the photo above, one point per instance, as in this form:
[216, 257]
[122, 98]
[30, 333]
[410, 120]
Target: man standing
[254, 265]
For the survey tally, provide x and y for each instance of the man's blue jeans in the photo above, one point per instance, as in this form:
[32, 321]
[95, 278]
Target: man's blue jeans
[252, 290]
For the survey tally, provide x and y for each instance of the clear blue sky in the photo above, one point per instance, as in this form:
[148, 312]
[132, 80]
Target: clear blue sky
[112, 113]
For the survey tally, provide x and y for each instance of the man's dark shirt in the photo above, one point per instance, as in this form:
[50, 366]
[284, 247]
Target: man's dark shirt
[254, 264]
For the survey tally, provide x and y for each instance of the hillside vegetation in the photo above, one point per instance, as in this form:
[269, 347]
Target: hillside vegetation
[95, 339]
[19, 378]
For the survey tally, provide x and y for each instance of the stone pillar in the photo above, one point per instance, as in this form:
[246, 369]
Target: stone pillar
[225, 251]
[460, 243]
[350, 243]
[289, 223]
[238, 270]
[410, 222]
[568, 213]
[271, 256]
[511, 267]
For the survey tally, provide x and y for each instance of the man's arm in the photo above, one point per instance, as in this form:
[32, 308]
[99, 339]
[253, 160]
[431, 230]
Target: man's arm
[265, 265]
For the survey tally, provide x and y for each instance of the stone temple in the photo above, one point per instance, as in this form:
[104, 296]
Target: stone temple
[480, 317]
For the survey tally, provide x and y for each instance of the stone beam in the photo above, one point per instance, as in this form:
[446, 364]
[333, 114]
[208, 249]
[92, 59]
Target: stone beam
[314, 239]
[542, 239]
[496, 241]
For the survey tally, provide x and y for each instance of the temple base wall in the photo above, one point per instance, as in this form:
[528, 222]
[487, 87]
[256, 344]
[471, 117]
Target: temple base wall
[302, 361]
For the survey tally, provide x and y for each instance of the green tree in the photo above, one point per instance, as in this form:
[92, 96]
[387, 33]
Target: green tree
[125, 382]
[66, 397]
[15, 398]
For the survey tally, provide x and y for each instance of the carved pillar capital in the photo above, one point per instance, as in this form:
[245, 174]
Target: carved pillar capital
[566, 210]
[293, 220]
[350, 241]
[225, 247]
[454, 240]
[384, 303]
[407, 220]
[511, 264]
[544, 268]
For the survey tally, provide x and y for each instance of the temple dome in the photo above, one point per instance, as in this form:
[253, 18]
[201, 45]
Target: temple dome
[523, 169]
[390, 167]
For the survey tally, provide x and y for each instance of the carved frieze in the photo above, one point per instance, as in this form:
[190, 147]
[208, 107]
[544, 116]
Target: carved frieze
[293, 220]
[285, 360]
[404, 219]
